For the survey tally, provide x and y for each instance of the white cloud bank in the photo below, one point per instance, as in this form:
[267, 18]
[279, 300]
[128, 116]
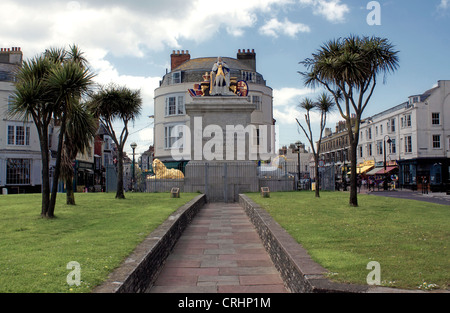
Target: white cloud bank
[136, 28]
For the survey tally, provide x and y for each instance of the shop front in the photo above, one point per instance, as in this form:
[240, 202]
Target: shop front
[84, 176]
[429, 174]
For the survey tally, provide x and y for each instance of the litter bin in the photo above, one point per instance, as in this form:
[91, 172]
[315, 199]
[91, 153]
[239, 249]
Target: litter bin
[5, 191]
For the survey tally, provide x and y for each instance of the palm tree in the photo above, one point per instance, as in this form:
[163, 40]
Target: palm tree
[32, 100]
[113, 103]
[324, 105]
[68, 82]
[80, 131]
[349, 68]
[47, 88]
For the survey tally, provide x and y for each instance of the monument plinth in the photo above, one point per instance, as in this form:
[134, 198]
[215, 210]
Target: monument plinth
[220, 128]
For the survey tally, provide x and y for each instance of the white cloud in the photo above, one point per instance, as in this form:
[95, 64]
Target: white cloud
[274, 28]
[286, 109]
[332, 10]
[445, 4]
[289, 96]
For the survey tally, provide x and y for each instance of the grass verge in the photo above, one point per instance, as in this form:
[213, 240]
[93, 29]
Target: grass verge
[409, 239]
[98, 233]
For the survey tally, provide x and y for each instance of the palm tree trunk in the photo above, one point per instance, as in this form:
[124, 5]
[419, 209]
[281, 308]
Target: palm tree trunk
[70, 196]
[45, 171]
[316, 173]
[353, 181]
[120, 194]
[51, 210]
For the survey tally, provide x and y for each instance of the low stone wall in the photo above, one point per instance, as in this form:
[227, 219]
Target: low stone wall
[141, 268]
[298, 271]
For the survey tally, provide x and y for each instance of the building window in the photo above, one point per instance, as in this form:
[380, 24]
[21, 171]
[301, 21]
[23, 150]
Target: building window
[369, 149]
[435, 119]
[18, 135]
[406, 121]
[393, 147]
[18, 172]
[257, 101]
[408, 144]
[361, 152]
[370, 133]
[11, 135]
[379, 147]
[172, 136]
[436, 141]
[10, 102]
[175, 106]
[176, 78]
[392, 125]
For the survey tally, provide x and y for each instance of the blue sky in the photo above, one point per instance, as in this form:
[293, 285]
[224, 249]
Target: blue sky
[130, 42]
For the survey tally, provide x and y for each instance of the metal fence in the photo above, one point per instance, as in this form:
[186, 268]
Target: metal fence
[327, 178]
[224, 181]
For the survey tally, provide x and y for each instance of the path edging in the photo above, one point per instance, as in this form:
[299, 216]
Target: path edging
[139, 271]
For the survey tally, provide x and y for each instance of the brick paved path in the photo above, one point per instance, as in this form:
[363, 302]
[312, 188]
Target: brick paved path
[220, 252]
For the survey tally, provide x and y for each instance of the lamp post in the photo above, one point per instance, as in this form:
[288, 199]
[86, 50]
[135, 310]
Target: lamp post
[133, 179]
[389, 141]
[298, 144]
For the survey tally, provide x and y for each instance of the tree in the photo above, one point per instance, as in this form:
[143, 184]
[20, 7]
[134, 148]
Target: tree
[68, 82]
[349, 68]
[324, 105]
[113, 103]
[81, 130]
[31, 99]
[47, 88]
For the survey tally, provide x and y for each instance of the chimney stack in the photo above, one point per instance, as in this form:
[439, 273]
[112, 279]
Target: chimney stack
[178, 58]
[247, 57]
[12, 55]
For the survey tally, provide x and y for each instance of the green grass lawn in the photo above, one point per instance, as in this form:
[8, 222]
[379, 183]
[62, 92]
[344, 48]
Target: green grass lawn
[98, 233]
[409, 239]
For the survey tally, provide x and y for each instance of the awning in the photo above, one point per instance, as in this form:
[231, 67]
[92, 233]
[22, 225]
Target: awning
[388, 170]
[374, 171]
[362, 169]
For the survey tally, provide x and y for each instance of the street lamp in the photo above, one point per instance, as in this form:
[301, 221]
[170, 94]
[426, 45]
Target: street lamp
[389, 141]
[298, 144]
[133, 146]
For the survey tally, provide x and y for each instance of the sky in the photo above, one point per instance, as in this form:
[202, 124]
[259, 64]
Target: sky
[130, 42]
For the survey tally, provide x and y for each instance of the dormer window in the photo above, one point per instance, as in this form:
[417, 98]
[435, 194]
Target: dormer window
[413, 100]
[176, 78]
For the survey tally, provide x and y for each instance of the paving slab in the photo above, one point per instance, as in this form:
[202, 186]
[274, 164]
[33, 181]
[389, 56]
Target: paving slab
[220, 252]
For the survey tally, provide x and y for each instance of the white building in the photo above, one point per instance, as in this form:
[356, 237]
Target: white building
[416, 135]
[20, 156]
[173, 94]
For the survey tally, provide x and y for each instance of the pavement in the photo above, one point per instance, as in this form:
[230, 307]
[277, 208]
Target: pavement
[219, 252]
[432, 197]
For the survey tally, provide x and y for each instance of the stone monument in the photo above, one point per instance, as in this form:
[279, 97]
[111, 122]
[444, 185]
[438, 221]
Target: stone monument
[221, 136]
